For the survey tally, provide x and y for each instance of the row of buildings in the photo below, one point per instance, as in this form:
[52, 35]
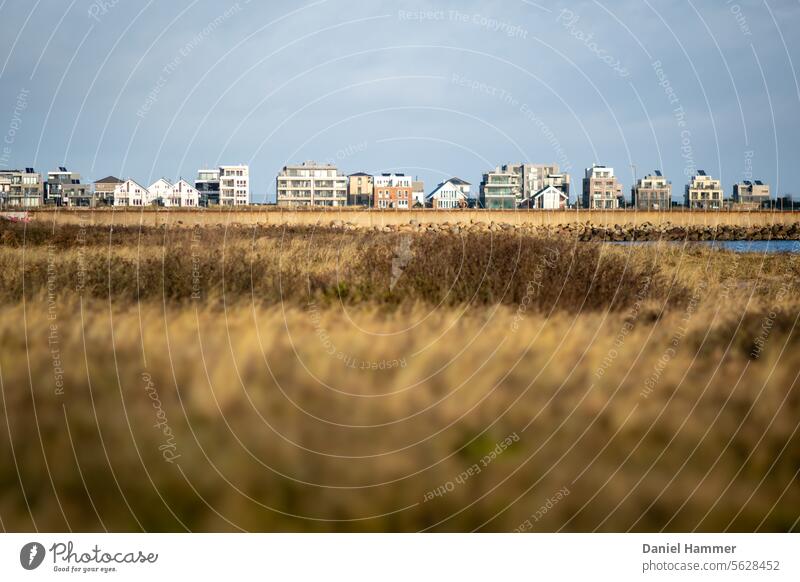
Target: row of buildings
[510, 186]
[311, 183]
[226, 186]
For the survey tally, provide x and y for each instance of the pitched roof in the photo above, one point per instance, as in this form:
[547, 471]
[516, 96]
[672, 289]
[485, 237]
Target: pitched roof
[442, 185]
[459, 182]
[545, 189]
[132, 181]
[109, 180]
[167, 182]
[360, 174]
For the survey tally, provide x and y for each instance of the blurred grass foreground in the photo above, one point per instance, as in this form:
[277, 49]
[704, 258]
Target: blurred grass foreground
[304, 379]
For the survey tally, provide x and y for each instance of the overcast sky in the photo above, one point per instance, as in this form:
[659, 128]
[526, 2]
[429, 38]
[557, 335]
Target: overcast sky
[435, 88]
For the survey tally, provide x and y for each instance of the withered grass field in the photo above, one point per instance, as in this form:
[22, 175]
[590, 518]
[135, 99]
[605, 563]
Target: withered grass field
[302, 379]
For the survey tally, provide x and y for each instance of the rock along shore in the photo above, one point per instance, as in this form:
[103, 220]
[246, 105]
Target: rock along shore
[595, 233]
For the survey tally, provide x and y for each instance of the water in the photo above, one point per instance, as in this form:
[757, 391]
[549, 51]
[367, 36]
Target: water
[741, 246]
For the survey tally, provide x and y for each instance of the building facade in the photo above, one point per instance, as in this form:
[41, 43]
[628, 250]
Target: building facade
[501, 188]
[160, 191]
[183, 195]
[359, 189]
[178, 195]
[234, 185]
[454, 193]
[548, 198]
[207, 186]
[418, 193]
[131, 193]
[524, 181]
[653, 192]
[311, 183]
[21, 189]
[704, 192]
[601, 190]
[104, 190]
[64, 188]
[393, 191]
[536, 177]
[751, 195]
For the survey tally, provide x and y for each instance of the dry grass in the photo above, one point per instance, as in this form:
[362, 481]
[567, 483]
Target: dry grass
[282, 424]
[300, 265]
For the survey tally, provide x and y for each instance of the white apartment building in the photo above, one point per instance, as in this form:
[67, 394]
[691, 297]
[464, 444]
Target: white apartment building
[131, 193]
[393, 191]
[704, 192]
[234, 185]
[311, 183]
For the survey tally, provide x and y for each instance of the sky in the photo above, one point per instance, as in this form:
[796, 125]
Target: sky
[430, 88]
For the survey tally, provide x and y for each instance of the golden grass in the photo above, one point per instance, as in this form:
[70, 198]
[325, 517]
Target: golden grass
[312, 414]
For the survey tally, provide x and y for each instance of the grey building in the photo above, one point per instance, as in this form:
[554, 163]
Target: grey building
[64, 188]
[104, 190]
[207, 185]
[21, 189]
[501, 188]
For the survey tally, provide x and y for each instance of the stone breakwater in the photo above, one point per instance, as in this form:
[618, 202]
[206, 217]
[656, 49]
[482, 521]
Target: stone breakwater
[594, 233]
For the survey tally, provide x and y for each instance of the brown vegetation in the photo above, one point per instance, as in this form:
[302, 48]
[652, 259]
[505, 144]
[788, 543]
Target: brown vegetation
[332, 381]
[299, 265]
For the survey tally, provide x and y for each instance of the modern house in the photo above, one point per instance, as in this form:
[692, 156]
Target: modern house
[704, 192]
[653, 192]
[64, 188]
[131, 193]
[454, 193]
[104, 190]
[601, 190]
[234, 185]
[559, 181]
[536, 177]
[311, 183]
[750, 195]
[359, 189]
[393, 191]
[501, 188]
[207, 186]
[21, 189]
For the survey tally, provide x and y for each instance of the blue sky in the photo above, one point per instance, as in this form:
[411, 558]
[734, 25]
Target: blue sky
[435, 88]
